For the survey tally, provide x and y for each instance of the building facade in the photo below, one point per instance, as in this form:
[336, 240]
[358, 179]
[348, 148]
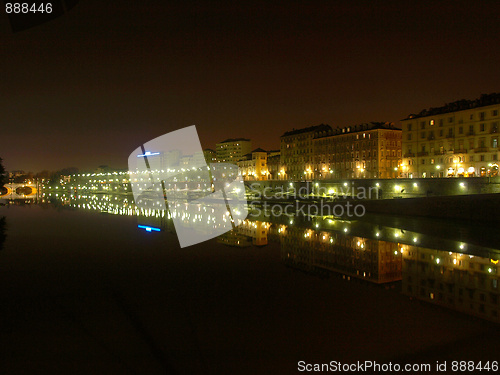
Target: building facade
[232, 150]
[460, 139]
[253, 166]
[274, 164]
[210, 156]
[297, 153]
[361, 151]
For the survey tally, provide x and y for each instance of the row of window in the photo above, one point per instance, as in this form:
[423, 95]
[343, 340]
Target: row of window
[471, 131]
[481, 117]
[460, 159]
[363, 144]
[481, 144]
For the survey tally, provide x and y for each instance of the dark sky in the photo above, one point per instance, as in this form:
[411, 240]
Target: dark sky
[88, 88]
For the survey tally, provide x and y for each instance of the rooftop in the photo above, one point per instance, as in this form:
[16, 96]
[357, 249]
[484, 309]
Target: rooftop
[235, 140]
[355, 129]
[459, 105]
[307, 130]
[259, 150]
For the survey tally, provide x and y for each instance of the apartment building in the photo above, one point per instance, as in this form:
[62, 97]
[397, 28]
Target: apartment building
[210, 156]
[253, 166]
[459, 139]
[297, 152]
[362, 151]
[232, 150]
[274, 164]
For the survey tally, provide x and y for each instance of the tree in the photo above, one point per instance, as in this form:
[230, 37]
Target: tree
[43, 175]
[3, 234]
[23, 178]
[69, 171]
[3, 175]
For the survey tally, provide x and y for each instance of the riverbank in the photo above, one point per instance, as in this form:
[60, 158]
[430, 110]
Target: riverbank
[479, 207]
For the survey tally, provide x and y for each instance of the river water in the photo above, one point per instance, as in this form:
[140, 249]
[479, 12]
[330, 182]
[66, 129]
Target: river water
[86, 289]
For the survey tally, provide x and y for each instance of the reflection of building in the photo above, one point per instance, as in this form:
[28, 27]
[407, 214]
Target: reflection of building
[458, 281]
[234, 238]
[257, 230]
[297, 152]
[232, 150]
[246, 234]
[371, 260]
[458, 139]
[362, 151]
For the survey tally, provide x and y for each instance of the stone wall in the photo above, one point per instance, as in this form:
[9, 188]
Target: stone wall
[380, 188]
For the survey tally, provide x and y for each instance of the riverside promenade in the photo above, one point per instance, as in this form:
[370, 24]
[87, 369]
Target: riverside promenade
[476, 199]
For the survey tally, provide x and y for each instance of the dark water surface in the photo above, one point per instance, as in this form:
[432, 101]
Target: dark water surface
[85, 292]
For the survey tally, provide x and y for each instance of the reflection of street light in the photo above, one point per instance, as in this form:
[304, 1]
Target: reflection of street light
[493, 169]
[457, 164]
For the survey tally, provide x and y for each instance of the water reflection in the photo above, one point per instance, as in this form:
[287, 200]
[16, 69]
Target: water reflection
[458, 281]
[3, 232]
[351, 256]
[451, 271]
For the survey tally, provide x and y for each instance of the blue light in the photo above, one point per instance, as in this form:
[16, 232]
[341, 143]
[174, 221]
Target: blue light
[148, 153]
[149, 229]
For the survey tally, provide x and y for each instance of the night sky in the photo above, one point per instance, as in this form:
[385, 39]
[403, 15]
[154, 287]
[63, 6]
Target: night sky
[89, 87]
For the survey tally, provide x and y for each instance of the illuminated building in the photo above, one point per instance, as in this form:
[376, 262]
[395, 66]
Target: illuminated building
[232, 150]
[253, 166]
[210, 156]
[274, 164]
[297, 152]
[18, 173]
[197, 159]
[460, 139]
[361, 151]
